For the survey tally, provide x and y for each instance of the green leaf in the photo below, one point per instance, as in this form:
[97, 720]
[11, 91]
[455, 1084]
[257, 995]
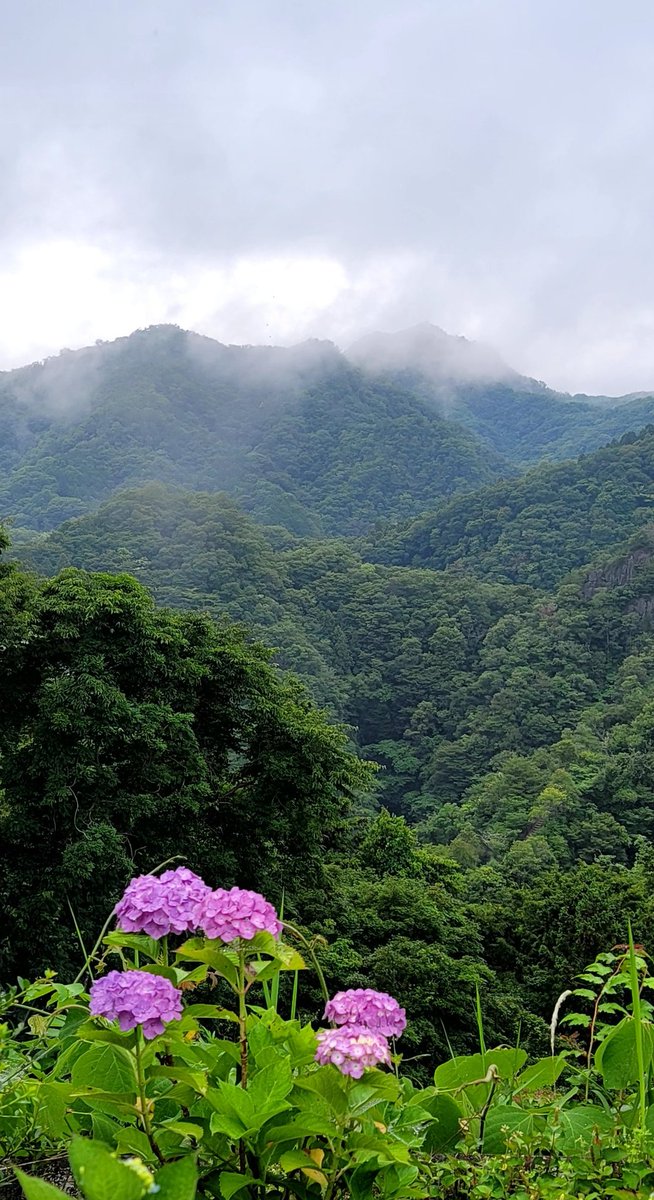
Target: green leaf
[295, 1160]
[271, 1084]
[104, 1129]
[133, 1141]
[470, 1068]
[327, 1083]
[617, 1058]
[90, 1032]
[585, 992]
[210, 1011]
[306, 1125]
[213, 954]
[99, 1175]
[445, 1130]
[579, 1125]
[576, 1018]
[541, 1074]
[177, 1180]
[503, 1120]
[186, 1129]
[375, 1087]
[134, 941]
[231, 1183]
[38, 1189]
[106, 1068]
[194, 1079]
[53, 1103]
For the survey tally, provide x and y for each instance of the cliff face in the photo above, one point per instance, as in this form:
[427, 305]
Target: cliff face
[620, 572]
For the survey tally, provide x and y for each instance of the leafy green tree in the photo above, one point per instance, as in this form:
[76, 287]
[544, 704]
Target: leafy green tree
[129, 734]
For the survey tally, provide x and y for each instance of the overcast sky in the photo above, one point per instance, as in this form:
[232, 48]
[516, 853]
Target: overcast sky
[268, 170]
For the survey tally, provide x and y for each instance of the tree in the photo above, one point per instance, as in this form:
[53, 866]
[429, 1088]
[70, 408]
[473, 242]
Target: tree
[129, 734]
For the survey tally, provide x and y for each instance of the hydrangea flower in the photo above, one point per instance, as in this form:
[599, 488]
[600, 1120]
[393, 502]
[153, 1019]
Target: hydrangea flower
[236, 913]
[136, 998]
[364, 1006]
[352, 1048]
[161, 904]
[184, 891]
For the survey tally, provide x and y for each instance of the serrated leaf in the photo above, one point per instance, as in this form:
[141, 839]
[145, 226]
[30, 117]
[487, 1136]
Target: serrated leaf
[585, 992]
[107, 1068]
[213, 954]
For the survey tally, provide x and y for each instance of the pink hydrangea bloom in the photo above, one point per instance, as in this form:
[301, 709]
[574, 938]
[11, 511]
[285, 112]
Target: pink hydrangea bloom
[364, 1006]
[136, 998]
[236, 913]
[161, 904]
[352, 1048]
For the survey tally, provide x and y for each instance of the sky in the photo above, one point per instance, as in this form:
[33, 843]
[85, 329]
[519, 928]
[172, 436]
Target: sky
[264, 171]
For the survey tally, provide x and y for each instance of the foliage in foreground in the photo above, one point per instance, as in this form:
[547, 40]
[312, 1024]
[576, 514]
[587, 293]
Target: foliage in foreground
[237, 1097]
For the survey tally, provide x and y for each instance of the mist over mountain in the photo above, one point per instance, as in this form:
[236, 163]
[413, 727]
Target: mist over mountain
[305, 437]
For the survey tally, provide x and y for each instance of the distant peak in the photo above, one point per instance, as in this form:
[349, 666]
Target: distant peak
[429, 349]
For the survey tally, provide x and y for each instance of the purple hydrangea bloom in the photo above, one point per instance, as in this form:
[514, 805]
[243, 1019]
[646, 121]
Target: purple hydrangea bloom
[364, 1006]
[352, 1048]
[184, 891]
[236, 913]
[136, 998]
[161, 904]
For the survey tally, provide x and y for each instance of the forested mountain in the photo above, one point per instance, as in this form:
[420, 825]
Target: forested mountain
[300, 435]
[307, 438]
[537, 528]
[437, 672]
[520, 418]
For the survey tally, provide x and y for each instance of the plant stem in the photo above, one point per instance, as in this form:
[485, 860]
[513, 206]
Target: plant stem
[484, 1112]
[140, 1077]
[312, 955]
[638, 1029]
[243, 1038]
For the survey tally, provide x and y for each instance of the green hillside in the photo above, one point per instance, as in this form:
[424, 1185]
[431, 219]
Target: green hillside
[300, 435]
[537, 528]
[436, 672]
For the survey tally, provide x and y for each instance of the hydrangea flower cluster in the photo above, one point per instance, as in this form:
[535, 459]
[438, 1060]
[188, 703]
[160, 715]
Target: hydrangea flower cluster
[236, 913]
[136, 998]
[364, 1019]
[364, 1006]
[352, 1048]
[162, 904]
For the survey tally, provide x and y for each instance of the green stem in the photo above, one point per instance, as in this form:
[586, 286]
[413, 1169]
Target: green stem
[638, 1029]
[140, 1078]
[164, 950]
[312, 955]
[243, 1039]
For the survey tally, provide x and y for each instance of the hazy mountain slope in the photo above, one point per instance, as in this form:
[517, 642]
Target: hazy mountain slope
[537, 528]
[521, 418]
[300, 434]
